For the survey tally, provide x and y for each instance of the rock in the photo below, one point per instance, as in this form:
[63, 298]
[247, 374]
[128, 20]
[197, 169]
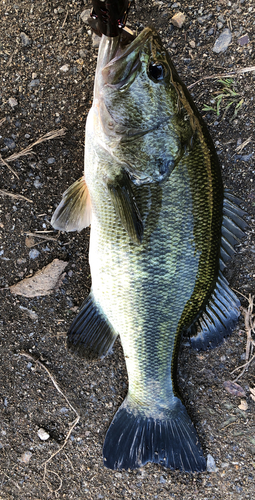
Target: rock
[233, 388]
[25, 40]
[33, 254]
[9, 143]
[178, 19]
[37, 184]
[243, 40]
[192, 44]
[244, 405]
[211, 466]
[85, 15]
[13, 102]
[43, 435]
[25, 457]
[65, 68]
[223, 41]
[43, 282]
[34, 83]
[31, 314]
[50, 161]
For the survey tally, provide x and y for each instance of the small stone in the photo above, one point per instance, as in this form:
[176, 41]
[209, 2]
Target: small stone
[13, 102]
[43, 435]
[9, 143]
[34, 83]
[244, 405]
[25, 40]
[219, 26]
[21, 261]
[192, 44]
[37, 184]
[25, 457]
[83, 53]
[33, 254]
[95, 40]
[222, 43]
[243, 40]
[211, 466]
[178, 19]
[50, 161]
[85, 15]
[210, 32]
[65, 68]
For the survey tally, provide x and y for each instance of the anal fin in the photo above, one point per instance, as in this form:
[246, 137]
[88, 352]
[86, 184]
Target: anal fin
[74, 211]
[90, 334]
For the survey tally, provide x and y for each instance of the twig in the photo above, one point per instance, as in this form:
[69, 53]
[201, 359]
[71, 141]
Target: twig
[3, 162]
[2, 121]
[249, 323]
[65, 19]
[224, 75]
[19, 196]
[242, 146]
[41, 236]
[28, 150]
[72, 424]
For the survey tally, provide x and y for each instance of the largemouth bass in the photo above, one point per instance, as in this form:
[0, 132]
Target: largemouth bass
[161, 230]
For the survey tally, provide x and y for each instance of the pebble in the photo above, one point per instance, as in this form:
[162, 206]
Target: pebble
[211, 466]
[37, 184]
[50, 161]
[223, 41]
[178, 19]
[34, 83]
[65, 68]
[192, 44]
[243, 40]
[25, 457]
[9, 143]
[33, 254]
[85, 15]
[21, 261]
[25, 40]
[13, 102]
[43, 435]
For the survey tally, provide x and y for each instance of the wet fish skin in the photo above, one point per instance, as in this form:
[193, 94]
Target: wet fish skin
[158, 214]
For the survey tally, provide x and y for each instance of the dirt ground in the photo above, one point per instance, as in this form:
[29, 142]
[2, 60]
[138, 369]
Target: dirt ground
[47, 61]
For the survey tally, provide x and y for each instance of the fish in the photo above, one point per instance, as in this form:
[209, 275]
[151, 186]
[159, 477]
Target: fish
[162, 230]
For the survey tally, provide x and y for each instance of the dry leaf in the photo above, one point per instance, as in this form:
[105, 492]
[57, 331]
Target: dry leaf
[43, 281]
[233, 388]
[29, 242]
[243, 406]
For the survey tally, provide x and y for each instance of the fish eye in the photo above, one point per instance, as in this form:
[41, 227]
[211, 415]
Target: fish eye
[157, 71]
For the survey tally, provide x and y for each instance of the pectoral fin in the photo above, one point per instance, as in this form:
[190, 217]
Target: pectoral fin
[125, 205]
[74, 211]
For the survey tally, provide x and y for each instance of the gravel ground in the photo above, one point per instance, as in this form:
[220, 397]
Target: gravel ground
[47, 60]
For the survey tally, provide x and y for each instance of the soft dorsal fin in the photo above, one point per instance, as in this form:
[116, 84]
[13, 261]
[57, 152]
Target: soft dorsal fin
[219, 316]
[74, 211]
[124, 202]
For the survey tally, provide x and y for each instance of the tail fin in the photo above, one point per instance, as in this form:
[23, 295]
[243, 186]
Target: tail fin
[169, 438]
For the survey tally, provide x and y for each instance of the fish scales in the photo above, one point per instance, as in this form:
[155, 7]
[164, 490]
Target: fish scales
[154, 193]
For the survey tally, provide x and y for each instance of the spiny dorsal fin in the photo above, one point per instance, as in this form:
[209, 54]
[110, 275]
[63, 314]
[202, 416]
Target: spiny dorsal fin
[74, 211]
[124, 202]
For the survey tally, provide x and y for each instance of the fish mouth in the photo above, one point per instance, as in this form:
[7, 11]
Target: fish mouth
[121, 70]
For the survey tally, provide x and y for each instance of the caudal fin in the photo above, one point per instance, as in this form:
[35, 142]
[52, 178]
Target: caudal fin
[169, 438]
